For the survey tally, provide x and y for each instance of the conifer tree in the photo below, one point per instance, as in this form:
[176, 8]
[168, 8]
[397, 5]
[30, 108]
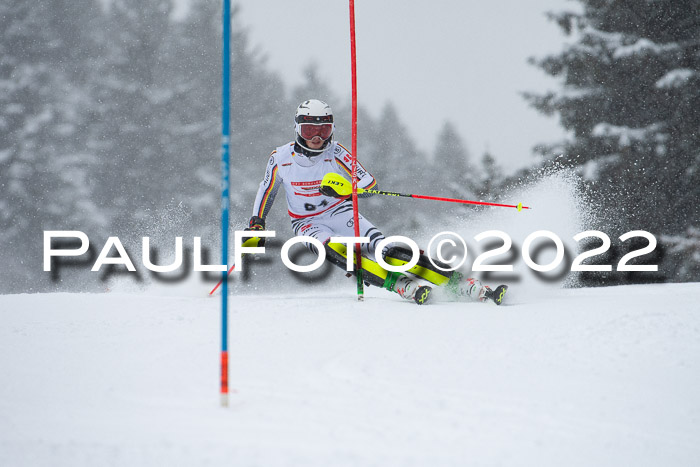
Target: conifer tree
[391, 156]
[43, 48]
[131, 120]
[455, 174]
[630, 98]
[490, 177]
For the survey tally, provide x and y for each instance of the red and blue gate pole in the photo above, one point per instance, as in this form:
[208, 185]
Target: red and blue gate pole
[225, 196]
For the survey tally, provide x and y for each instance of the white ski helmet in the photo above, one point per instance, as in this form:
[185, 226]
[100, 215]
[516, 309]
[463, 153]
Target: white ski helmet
[314, 118]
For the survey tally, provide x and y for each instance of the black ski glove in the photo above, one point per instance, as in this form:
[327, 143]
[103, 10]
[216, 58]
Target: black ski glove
[256, 223]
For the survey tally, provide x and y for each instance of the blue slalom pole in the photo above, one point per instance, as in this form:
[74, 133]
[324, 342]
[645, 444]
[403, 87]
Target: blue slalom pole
[225, 197]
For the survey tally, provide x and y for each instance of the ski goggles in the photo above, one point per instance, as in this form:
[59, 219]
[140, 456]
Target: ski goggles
[310, 130]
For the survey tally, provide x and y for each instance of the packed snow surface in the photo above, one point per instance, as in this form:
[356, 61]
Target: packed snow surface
[576, 377]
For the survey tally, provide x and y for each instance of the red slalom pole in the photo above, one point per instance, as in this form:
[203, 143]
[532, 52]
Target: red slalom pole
[355, 208]
[222, 280]
[253, 241]
[451, 200]
[338, 184]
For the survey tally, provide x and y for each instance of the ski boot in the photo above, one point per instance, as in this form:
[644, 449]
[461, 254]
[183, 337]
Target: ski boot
[496, 296]
[474, 289]
[407, 288]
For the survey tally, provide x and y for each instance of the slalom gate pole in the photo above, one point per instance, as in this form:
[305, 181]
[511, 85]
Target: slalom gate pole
[355, 207]
[518, 206]
[221, 281]
[340, 186]
[225, 197]
[247, 244]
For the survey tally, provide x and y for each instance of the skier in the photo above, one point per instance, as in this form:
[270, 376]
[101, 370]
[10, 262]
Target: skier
[321, 213]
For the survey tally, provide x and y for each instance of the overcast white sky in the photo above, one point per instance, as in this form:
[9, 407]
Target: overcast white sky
[463, 61]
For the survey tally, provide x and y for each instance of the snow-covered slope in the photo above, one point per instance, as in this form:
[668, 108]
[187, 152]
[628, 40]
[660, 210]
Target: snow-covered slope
[582, 377]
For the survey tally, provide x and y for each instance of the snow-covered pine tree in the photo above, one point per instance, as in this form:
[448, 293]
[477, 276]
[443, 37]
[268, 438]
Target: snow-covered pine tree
[43, 164]
[188, 110]
[455, 175]
[192, 137]
[262, 116]
[683, 255]
[132, 92]
[631, 99]
[490, 177]
[389, 153]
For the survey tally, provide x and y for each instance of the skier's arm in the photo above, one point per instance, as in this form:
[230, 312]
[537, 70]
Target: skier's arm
[268, 189]
[264, 199]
